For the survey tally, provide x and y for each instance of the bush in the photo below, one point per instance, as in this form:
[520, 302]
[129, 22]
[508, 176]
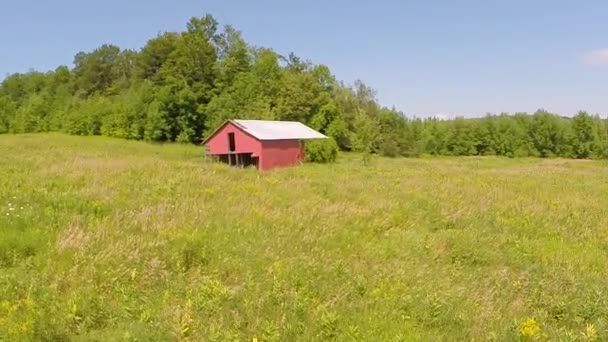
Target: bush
[389, 147]
[321, 151]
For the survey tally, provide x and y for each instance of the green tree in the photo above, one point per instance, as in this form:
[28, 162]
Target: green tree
[192, 64]
[432, 134]
[153, 56]
[329, 121]
[365, 135]
[95, 72]
[461, 140]
[253, 94]
[602, 133]
[234, 57]
[296, 96]
[31, 115]
[511, 138]
[87, 115]
[7, 113]
[486, 136]
[390, 125]
[547, 134]
[585, 140]
[123, 72]
[156, 126]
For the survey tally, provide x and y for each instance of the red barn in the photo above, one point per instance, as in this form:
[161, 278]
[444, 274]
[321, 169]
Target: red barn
[264, 144]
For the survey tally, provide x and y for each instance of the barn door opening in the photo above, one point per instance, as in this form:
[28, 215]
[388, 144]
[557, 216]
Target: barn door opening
[239, 159]
[231, 142]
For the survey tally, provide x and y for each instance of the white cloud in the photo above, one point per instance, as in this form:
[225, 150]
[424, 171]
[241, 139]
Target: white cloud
[597, 58]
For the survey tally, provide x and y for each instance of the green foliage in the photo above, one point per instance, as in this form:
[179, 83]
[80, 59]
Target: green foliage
[154, 55]
[156, 127]
[321, 151]
[338, 130]
[547, 134]
[31, 115]
[234, 57]
[461, 140]
[365, 134]
[585, 138]
[7, 113]
[96, 72]
[366, 131]
[180, 86]
[87, 115]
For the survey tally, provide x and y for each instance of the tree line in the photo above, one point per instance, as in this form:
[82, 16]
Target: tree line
[181, 85]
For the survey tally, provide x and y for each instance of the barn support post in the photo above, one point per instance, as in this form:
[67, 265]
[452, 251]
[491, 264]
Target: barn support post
[207, 154]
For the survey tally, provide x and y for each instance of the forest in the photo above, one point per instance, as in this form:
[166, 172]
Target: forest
[181, 85]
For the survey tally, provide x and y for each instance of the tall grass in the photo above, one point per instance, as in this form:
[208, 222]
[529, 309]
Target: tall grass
[104, 239]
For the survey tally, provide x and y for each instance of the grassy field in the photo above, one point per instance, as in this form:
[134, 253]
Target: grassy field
[104, 239]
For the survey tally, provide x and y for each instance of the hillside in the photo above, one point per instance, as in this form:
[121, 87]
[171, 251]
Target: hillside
[109, 239]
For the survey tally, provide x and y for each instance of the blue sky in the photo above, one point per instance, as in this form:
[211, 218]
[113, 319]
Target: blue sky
[424, 57]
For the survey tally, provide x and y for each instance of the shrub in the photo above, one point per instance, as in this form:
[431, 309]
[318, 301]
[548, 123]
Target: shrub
[389, 147]
[321, 151]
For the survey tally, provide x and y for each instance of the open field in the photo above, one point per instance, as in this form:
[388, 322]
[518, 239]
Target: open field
[104, 239]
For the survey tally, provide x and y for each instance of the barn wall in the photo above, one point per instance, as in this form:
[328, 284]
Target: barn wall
[245, 143]
[280, 153]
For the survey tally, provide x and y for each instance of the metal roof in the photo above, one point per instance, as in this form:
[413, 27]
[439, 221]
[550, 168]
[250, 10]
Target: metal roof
[278, 130]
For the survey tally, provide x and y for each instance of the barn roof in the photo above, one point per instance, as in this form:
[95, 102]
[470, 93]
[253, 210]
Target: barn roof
[278, 130]
[273, 130]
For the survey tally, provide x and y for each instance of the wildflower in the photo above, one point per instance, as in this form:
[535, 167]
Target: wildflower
[11, 208]
[529, 328]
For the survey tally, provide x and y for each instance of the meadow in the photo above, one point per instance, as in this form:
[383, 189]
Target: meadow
[104, 239]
